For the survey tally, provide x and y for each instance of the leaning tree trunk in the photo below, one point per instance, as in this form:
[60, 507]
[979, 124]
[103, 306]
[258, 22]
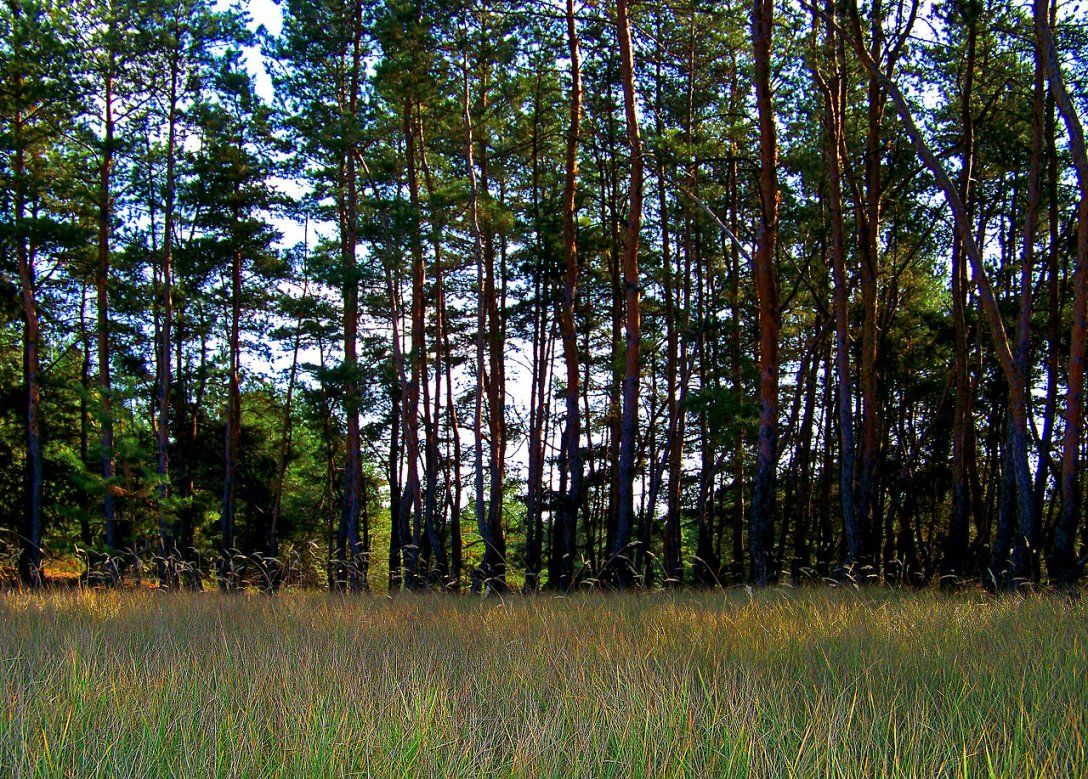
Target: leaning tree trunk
[1027, 542]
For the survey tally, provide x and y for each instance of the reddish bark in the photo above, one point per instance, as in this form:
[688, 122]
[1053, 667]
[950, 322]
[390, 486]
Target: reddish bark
[762, 516]
[619, 553]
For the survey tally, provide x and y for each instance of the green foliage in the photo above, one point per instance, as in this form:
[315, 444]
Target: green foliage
[97, 81]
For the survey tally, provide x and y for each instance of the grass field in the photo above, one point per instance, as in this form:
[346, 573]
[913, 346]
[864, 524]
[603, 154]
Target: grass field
[782, 683]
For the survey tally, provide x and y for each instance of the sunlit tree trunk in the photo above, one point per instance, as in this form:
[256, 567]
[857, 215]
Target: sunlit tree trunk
[619, 553]
[571, 453]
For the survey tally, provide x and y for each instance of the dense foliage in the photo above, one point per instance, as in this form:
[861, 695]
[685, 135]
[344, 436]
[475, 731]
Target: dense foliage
[504, 294]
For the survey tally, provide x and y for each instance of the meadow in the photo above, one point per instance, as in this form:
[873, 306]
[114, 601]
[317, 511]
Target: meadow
[809, 682]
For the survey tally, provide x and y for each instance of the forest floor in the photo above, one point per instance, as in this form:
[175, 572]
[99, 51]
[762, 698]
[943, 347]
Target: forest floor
[812, 682]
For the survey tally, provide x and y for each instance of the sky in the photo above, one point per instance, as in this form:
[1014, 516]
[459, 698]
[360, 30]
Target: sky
[263, 13]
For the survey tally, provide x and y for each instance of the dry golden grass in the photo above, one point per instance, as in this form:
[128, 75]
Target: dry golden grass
[782, 683]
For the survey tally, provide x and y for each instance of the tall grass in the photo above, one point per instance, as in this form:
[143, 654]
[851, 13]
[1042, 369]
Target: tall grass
[782, 683]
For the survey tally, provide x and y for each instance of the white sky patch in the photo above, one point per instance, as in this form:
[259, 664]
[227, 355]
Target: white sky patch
[266, 14]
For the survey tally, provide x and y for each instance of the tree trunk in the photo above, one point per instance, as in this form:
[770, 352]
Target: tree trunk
[168, 563]
[834, 100]
[105, 216]
[355, 562]
[1064, 566]
[870, 212]
[762, 517]
[432, 512]
[273, 567]
[542, 340]
[619, 554]
[571, 452]
[956, 544]
[495, 550]
[408, 514]
[672, 552]
[736, 372]
[30, 556]
[485, 577]
[229, 573]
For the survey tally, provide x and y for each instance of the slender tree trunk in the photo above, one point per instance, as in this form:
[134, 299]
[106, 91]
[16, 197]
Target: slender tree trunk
[605, 526]
[736, 379]
[432, 512]
[168, 566]
[229, 574]
[85, 536]
[401, 512]
[824, 544]
[802, 473]
[495, 551]
[956, 544]
[483, 577]
[834, 98]
[105, 217]
[409, 520]
[1064, 566]
[273, 567]
[619, 553]
[1031, 221]
[455, 432]
[870, 211]
[1000, 575]
[762, 517]
[397, 542]
[335, 537]
[542, 340]
[444, 361]
[1054, 307]
[30, 556]
[355, 561]
[571, 452]
[673, 538]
